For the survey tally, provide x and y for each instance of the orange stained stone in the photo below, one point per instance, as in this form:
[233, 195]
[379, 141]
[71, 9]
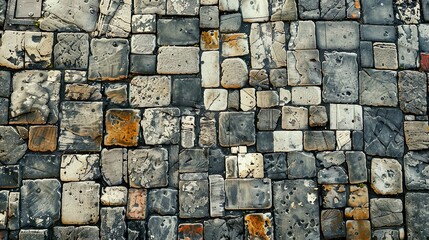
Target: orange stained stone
[357, 213]
[358, 196]
[136, 208]
[122, 127]
[358, 230]
[190, 231]
[258, 226]
[43, 138]
[424, 62]
[210, 40]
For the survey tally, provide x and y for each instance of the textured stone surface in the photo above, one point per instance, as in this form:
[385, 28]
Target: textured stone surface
[147, 168]
[408, 46]
[412, 99]
[122, 127]
[112, 223]
[35, 166]
[162, 227]
[234, 133]
[248, 194]
[378, 88]
[161, 125]
[386, 212]
[332, 223]
[386, 176]
[416, 134]
[304, 67]
[328, 34]
[193, 199]
[10, 176]
[170, 60]
[112, 161]
[385, 56]
[183, 31]
[415, 212]
[114, 19]
[137, 204]
[12, 146]
[71, 51]
[80, 167]
[301, 165]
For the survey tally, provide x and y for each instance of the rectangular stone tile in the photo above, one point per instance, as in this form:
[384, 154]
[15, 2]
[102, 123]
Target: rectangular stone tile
[416, 214]
[38, 49]
[408, 46]
[171, 60]
[143, 23]
[193, 160]
[210, 69]
[332, 224]
[112, 223]
[287, 141]
[162, 227]
[235, 44]
[14, 211]
[35, 166]
[114, 19]
[114, 196]
[303, 35]
[304, 68]
[319, 140]
[122, 127]
[163, 201]
[385, 56]
[147, 6]
[183, 7]
[194, 199]
[356, 165]
[254, 11]
[148, 168]
[234, 133]
[10, 176]
[378, 33]
[4, 202]
[416, 134]
[207, 135]
[386, 212]
[80, 167]
[180, 31]
[337, 35]
[366, 54]
[284, 10]
[360, 229]
[412, 92]
[249, 194]
[112, 162]
[187, 92]
[12, 50]
[28, 234]
[137, 204]
[346, 117]
[217, 195]
[378, 87]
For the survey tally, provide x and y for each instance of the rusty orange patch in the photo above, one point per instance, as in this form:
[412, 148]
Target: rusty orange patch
[210, 40]
[190, 231]
[258, 225]
[122, 127]
[136, 208]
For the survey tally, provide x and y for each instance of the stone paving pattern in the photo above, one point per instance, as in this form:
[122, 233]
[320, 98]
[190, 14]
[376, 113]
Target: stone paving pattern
[214, 119]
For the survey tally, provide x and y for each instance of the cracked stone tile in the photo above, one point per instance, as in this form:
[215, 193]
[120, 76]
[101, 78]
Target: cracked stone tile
[163, 201]
[385, 56]
[207, 135]
[378, 87]
[415, 215]
[340, 77]
[358, 229]
[183, 7]
[416, 135]
[210, 69]
[143, 23]
[301, 165]
[247, 99]
[250, 165]
[330, 33]
[116, 93]
[234, 73]
[12, 49]
[284, 10]
[230, 23]
[33, 168]
[180, 31]
[267, 99]
[412, 96]
[304, 68]
[217, 195]
[383, 132]
[259, 78]
[178, 60]
[112, 223]
[10, 176]
[187, 131]
[345, 117]
[287, 141]
[242, 194]
[150, 91]
[209, 17]
[317, 116]
[275, 166]
[193, 160]
[114, 19]
[40, 203]
[267, 45]
[122, 127]
[137, 204]
[408, 11]
[38, 49]
[235, 44]
[150, 7]
[386, 212]
[328, 159]
[308, 9]
[378, 12]
[108, 59]
[236, 133]
[306, 95]
[356, 165]
[114, 196]
[143, 43]
[319, 140]
[254, 10]
[416, 167]
[12, 146]
[303, 35]
[80, 167]
[162, 227]
[408, 46]
[344, 140]
[148, 168]
[193, 199]
[192, 231]
[294, 118]
[219, 228]
[209, 40]
[279, 78]
[74, 15]
[296, 202]
[332, 224]
[267, 119]
[161, 126]
[386, 176]
[332, 9]
[334, 196]
[259, 225]
[35, 97]
[43, 138]
[82, 92]
[112, 163]
[81, 126]
[13, 212]
[386, 233]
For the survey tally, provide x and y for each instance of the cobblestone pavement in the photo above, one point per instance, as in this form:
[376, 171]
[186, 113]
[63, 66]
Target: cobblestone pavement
[214, 119]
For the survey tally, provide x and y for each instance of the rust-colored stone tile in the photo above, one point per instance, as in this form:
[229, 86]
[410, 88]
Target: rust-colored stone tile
[43, 138]
[210, 40]
[122, 127]
[358, 196]
[357, 213]
[137, 199]
[259, 226]
[358, 230]
[190, 231]
[424, 62]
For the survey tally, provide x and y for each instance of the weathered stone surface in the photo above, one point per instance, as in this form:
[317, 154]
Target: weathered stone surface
[408, 46]
[284, 10]
[332, 224]
[386, 234]
[234, 133]
[35, 97]
[383, 132]
[332, 175]
[366, 54]
[287, 141]
[81, 126]
[279, 78]
[74, 76]
[329, 33]
[215, 99]
[147, 168]
[143, 43]
[209, 40]
[187, 133]
[40, 203]
[254, 11]
[267, 119]
[5, 83]
[356, 165]
[183, 7]
[143, 64]
[71, 51]
[161, 126]
[43, 138]
[380, 12]
[230, 23]
[137, 204]
[386, 212]
[301, 165]
[171, 59]
[275, 165]
[122, 127]
[12, 50]
[114, 19]
[162, 227]
[112, 223]
[319, 140]
[328, 159]
[304, 67]
[308, 9]
[248, 194]
[112, 161]
[353, 9]
[317, 116]
[344, 140]
[14, 211]
[210, 69]
[412, 96]
[267, 45]
[33, 234]
[416, 135]
[163, 201]
[148, 6]
[358, 229]
[217, 195]
[415, 215]
[66, 233]
[378, 33]
[415, 168]
[334, 196]
[250, 165]
[231, 166]
[114, 196]
[258, 225]
[209, 17]
[385, 56]
[35, 166]
[332, 10]
[80, 167]
[73, 15]
[357, 213]
[219, 228]
[150, 91]
[235, 44]
[192, 231]
[10, 176]
[340, 77]
[259, 78]
[408, 11]
[207, 135]
[136, 230]
[306, 95]
[144, 23]
[83, 92]
[358, 196]
[386, 176]
[108, 59]
[194, 199]
[378, 88]
[247, 99]
[80, 203]
[234, 73]
[38, 49]
[116, 93]
[296, 206]
[12, 146]
[2, 11]
[303, 35]
[181, 31]
[193, 160]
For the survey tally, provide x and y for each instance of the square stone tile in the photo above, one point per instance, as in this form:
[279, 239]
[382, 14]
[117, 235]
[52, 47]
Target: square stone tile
[144, 23]
[161, 126]
[250, 165]
[385, 56]
[150, 91]
[345, 117]
[147, 168]
[236, 133]
[416, 135]
[80, 167]
[193, 160]
[71, 51]
[304, 68]
[148, 6]
[43, 138]
[386, 176]
[80, 203]
[143, 43]
[183, 7]
[187, 92]
[209, 17]
[122, 127]
[378, 12]
[193, 199]
[209, 40]
[294, 118]
[38, 49]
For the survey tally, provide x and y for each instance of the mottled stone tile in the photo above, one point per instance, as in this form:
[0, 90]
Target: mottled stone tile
[210, 69]
[209, 17]
[332, 175]
[114, 196]
[416, 135]
[378, 87]
[142, 64]
[143, 23]
[209, 40]
[183, 7]
[122, 127]
[12, 146]
[284, 10]
[147, 168]
[207, 135]
[234, 133]
[143, 43]
[334, 196]
[171, 59]
[112, 223]
[356, 165]
[112, 162]
[29, 234]
[332, 9]
[194, 199]
[416, 214]
[254, 11]
[162, 227]
[385, 56]
[180, 31]
[163, 201]
[43, 138]
[10, 176]
[193, 160]
[80, 167]
[12, 50]
[83, 92]
[137, 204]
[378, 33]
[412, 94]
[161, 126]
[287, 141]
[150, 91]
[234, 73]
[408, 46]
[332, 224]
[191, 231]
[380, 12]
[358, 229]
[38, 49]
[259, 225]
[304, 67]
[301, 165]
[242, 194]
[114, 19]
[386, 176]
[386, 212]
[330, 33]
[235, 44]
[319, 140]
[147, 6]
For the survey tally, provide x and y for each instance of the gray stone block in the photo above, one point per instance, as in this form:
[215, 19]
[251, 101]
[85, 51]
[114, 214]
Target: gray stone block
[415, 165]
[194, 199]
[319, 140]
[267, 119]
[378, 12]
[386, 212]
[332, 224]
[247, 194]
[209, 17]
[230, 23]
[328, 159]
[143, 64]
[412, 94]
[408, 47]
[301, 165]
[181, 31]
[193, 160]
[380, 234]
[161, 126]
[136, 230]
[334, 196]
[366, 54]
[416, 213]
[332, 175]
[303, 68]
[378, 87]
[425, 10]
[337, 35]
[236, 133]
[187, 92]
[35, 166]
[5, 83]
[12, 146]
[275, 165]
[148, 168]
[309, 9]
[71, 51]
[332, 9]
[112, 223]
[264, 142]
[378, 33]
[356, 165]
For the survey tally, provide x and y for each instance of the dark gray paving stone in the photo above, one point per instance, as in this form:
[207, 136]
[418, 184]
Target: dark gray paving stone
[408, 47]
[236, 133]
[296, 220]
[334, 196]
[162, 227]
[416, 215]
[412, 93]
[275, 165]
[378, 87]
[357, 140]
[12, 146]
[337, 35]
[279, 76]
[366, 54]
[216, 161]
[112, 223]
[148, 167]
[378, 33]
[383, 132]
[64, 233]
[10, 176]
[332, 224]
[267, 119]
[194, 199]
[230, 23]
[209, 17]
[143, 64]
[40, 166]
[163, 201]
[332, 9]
[4, 201]
[14, 211]
[88, 232]
[381, 234]
[5, 81]
[265, 142]
[340, 79]
[308, 9]
[415, 165]
[40, 203]
[31, 234]
[378, 12]
[318, 116]
[328, 159]
[332, 175]
[319, 140]
[217, 228]
[356, 165]
[4, 110]
[425, 10]
[180, 31]
[173, 166]
[193, 160]
[187, 92]
[386, 212]
[248, 194]
[71, 51]
[301, 165]
[423, 38]
[136, 230]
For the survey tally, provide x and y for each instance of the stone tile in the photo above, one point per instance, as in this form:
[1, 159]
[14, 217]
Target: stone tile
[187, 131]
[38, 49]
[415, 215]
[242, 194]
[319, 140]
[412, 96]
[304, 68]
[12, 50]
[275, 166]
[193, 231]
[389, 233]
[265, 142]
[75, 76]
[340, 77]
[408, 12]
[366, 54]
[386, 176]
[287, 141]
[210, 69]
[112, 223]
[209, 40]
[425, 8]
[218, 228]
[247, 99]
[116, 93]
[150, 91]
[284, 10]
[5, 84]
[358, 196]
[267, 119]
[180, 31]
[250, 165]
[358, 229]
[279, 78]
[306, 95]
[147, 168]
[334, 196]
[267, 99]
[332, 10]
[357, 140]
[143, 64]
[378, 33]
[357, 213]
[114, 196]
[234, 99]
[151, 7]
[162, 227]
[187, 92]
[234, 133]
[353, 9]
[183, 7]
[408, 46]
[258, 225]
[234, 73]
[143, 43]
[259, 78]
[163, 201]
[13, 212]
[170, 60]
[87, 232]
[207, 135]
[209, 17]
[385, 56]
[114, 19]
[378, 88]
[416, 135]
[80, 203]
[80, 167]
[386, 212]
[108, 59]
[356, 165]
[122, 127]
[303, 35]
[424, 62]
[332, 224]
[112, 162]
[255, 11]
[229, 23]
[81, 126]
[34, 166]
[12, 146]
[35, 97]
[344, 140]
[332, 175]
[161, 126]
[40, 203]
[33, 234]
[308, 9]
[301, 165]
[209, 2]
[380, 12]
[235, 44]
[328, 158]
[10, 176]
[383, 132]
[136, 230]
[329, 33]
[61, 17]
[215, 99]
[137, 204]
[415, 165]
[83, 92]
[194, 199]
[193, 160]
[2, 12]
[294, 118]
[144, 23]
[317, 116]
[42, 138]
[424, 37]
[287, 212]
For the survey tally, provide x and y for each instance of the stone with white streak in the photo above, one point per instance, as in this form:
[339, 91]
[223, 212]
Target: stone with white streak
[408, 46]
[247, 99]
[210, 69]
[80, 167]
[287, 141]
[217, 195]
[215, 99]
[346, 117]
[115, 18]
[114, 196]
[284, 10]
[303, 35]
